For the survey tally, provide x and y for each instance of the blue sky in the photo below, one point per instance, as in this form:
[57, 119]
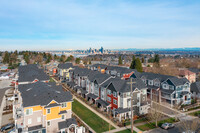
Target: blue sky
[113, 24]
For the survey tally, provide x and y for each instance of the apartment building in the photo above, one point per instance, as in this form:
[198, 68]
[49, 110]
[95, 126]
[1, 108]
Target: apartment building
[43, 107]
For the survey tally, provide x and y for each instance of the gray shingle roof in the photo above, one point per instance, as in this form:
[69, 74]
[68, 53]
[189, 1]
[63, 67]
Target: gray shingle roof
[178, 81]
[67, 123]
[122, 70]
[99, 78]
[41, 93]
[35, 128]
[102, 102]
[29, 73]
[81, 71]
[65, 65]
[124, 86]
[62, 112]
[195, 87]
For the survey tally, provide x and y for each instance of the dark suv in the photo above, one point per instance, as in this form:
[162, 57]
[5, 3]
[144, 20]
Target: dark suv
[6, 127]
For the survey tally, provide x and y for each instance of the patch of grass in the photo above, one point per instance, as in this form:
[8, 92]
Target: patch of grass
[193, 108]
[126, 131]
[195, 113]
[147, 126]
[93, 120]
[51, 80]
[152, 125]
[136, 121]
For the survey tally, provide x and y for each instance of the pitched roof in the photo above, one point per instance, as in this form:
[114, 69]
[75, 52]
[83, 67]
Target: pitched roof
[29, 73]
[65, 65]
[184, 72]
[41, 93]
[81, 71]
[122, 70]
[124, 86]
[65, 124]
[178, 81]
[102, 66]
[100, 78]
[195, 87]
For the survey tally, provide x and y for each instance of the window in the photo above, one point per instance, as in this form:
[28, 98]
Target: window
[63, 117]
[150, 82]
[171, 87]
[115, 102]
[48, 111]
[109, 92]
[29, 111]
[38, 119]
[164, 86]
[115, 94]
[144, 92]
[109, 99]
[143, 98]
[29, 121]
[64, 105]
[48, 123]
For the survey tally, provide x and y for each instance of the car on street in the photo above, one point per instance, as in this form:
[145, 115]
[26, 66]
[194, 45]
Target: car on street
[167, 125]
[8, 126]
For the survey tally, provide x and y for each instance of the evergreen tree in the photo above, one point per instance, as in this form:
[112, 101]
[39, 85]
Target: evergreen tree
[62, 58]
[120, 60]
[70, 58]
[142, 59]
[138, 65]
[156, 59]
[133, 63]
[6, 57]
[78, 60]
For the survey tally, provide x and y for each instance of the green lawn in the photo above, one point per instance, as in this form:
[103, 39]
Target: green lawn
[126, 131]
[152, 125]
[197, 113]
[136, 121]
[93, 120]
[51, 80]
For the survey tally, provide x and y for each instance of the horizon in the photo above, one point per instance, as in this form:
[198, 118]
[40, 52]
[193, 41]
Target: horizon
[51, 25]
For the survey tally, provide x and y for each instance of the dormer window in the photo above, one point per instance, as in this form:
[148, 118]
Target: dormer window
[150, 82]
[64, 105]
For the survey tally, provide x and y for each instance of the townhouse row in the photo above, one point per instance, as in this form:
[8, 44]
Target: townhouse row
[109, 86]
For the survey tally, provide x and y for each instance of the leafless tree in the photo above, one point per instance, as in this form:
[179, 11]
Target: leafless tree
[155, 113]
[190, 126]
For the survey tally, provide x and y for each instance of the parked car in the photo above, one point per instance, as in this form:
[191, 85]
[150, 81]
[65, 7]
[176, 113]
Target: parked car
[167, 125]
[8, 126]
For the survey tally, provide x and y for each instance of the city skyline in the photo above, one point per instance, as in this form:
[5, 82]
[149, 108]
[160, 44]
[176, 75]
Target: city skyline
[50, 25]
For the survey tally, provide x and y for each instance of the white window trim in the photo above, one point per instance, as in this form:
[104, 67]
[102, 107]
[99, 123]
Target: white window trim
[38, 119]
[29, 111]
[47, 111]
[49, 123]
[114, 102]
[62, 117]
[64, 106]
[29, 121]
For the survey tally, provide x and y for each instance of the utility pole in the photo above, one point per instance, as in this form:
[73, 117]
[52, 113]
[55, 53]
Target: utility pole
[131, 83]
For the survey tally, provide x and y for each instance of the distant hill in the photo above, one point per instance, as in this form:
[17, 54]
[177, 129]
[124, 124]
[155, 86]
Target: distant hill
[160, 49]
